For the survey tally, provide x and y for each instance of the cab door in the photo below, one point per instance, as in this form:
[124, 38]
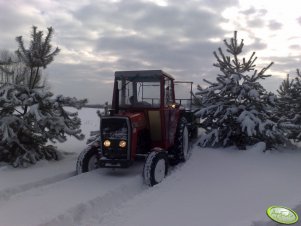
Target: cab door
[170, 112]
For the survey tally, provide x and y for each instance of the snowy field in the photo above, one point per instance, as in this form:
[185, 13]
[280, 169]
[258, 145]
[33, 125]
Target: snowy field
[215, 187]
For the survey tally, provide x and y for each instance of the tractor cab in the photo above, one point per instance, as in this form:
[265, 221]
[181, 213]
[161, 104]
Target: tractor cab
[148, 99]
[152, 89]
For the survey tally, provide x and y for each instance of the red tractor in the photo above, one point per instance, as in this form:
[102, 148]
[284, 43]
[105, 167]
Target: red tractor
[145, 121]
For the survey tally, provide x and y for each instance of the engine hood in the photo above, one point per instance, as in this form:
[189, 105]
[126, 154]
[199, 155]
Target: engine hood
[137, 119]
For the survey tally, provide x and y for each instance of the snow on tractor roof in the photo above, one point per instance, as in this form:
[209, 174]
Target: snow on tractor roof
[144, 74]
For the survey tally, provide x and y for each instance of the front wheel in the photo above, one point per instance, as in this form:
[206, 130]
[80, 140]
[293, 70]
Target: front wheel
[155, 167]
[87, 160]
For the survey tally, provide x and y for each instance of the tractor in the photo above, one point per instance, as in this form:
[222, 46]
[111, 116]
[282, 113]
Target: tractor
[145, 122]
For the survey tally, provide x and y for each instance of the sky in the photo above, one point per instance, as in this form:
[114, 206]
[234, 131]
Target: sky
[99, 37]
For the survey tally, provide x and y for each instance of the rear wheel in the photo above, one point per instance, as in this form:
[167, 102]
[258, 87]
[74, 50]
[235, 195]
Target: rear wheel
[87, 160]
[155, 167]
[182, 146]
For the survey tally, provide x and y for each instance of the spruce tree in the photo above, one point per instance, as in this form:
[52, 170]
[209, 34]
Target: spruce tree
[289, 106]
[236, 109]
[30, 115]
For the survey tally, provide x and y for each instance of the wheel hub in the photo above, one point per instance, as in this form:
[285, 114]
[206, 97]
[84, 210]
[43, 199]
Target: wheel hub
[92, 163]
[160, 170]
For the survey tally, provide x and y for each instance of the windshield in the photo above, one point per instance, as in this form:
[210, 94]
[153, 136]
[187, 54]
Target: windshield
[139, 92]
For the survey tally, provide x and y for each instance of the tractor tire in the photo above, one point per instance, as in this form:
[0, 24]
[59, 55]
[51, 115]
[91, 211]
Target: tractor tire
[155, 167]
[87, 160]
[182, 145]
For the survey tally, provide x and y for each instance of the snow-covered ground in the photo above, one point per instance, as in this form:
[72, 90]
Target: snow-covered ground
[215, 187]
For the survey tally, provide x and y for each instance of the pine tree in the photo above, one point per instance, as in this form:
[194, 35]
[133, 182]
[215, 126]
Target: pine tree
[37, 56]
[289, 106]
[236, 109]
[30, 115]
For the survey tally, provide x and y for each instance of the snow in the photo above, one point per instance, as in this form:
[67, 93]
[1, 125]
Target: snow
[215, 187]
[248, 122]
[254, 93]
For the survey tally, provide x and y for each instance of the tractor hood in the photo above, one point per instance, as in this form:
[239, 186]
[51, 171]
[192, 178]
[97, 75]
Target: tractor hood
[137, 119]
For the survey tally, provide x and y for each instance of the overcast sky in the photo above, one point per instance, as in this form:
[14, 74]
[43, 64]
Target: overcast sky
[98, 37]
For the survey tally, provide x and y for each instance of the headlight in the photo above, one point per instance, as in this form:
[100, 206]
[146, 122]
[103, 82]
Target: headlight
[122, 144]
[107, 143]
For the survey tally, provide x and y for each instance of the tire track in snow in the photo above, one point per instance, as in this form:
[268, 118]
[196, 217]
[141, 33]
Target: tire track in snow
[94, 211]
[66, 199]
[97, 208]
[7, 193]
[72, 199]
[17, 180]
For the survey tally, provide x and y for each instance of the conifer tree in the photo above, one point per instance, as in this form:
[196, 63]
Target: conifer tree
[236, 109]
[30, 115]
[289, 106]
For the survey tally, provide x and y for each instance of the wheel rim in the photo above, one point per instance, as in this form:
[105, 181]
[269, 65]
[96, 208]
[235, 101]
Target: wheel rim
[185, 143]
[160, 170]
[92, 163]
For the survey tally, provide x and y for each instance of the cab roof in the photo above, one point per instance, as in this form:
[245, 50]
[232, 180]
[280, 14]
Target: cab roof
[142, 74]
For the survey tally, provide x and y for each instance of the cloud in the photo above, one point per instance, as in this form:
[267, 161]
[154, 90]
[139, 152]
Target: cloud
[255, 22]
[146, 36]
[262, 12]
[99, 37]
[16, 19]
[144, 18]
[274, 25]
[219, 4]
[258, 44]
[286, 65]
[295, 46]
[255, 18]
[253, 11]
[249, 11]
